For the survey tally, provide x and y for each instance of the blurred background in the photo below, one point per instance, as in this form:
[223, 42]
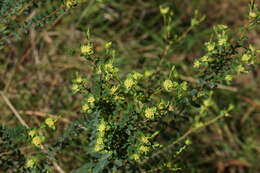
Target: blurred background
[36, 71]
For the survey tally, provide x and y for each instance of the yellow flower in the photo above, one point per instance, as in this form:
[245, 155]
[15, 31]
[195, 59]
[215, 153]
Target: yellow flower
[98, 148]
[108, 45]
[85, 107]
[70, 3]
[144, 139]
[149, 112]
[167, 84]
[101, 126]
[207, 102]
[86, 49]
[135, 157]
[99, 141]
[31, 162]
[196, 64]
[50, 122]
[109, 67]
[113, 89]
[129, 83]
[91, 99]
[210, 46]
[246, 57]
[79, 79]
[144, 149]
[222, 39]
[137, 75]
[37, 140]
[75, 88]
[164, 10]
[32, 133]
[205, 58]
[148, 73]
[240, 69]
[252, 14]
[228, 77]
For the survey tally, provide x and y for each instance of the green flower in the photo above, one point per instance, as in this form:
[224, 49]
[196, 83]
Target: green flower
[184, 86]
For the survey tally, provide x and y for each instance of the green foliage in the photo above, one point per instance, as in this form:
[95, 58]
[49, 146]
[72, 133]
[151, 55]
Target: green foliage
[132, 119]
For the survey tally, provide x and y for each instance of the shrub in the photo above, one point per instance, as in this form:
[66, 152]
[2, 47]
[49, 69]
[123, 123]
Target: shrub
[124, 115]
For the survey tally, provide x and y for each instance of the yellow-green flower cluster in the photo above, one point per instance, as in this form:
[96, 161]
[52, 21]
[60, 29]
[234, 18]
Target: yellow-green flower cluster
[132, 79]
[164, 10]
[129, 83]
[168, 85]
[222, 36]
[148, 73]
[89, 104]
[109, 70]
[240, 69]
[50, 122]
[149, 113]
[142, 146]
[101, 129]
[86, 49]
[70, 3]
[31, 162]
[36, 139]
[75, 87]
[210, 46]
[108, 45]
[228, 78]
[113, 90]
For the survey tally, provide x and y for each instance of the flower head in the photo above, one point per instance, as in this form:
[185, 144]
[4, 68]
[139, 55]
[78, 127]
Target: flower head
[85, 107]
[150, 112]
[246, 57]
[32, 133]
[196, 64]
[75, 88]
[164, 10]
[210, 46]
[91, 99]
[228, 77]
[50, 122]
[168, 85]
[129, 83]
[252, 14]
[137, 75]
[143, 149]
[86, 49]
[37, 140]
[31, 162]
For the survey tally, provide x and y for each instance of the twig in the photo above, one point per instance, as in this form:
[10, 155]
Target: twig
[14, 110]
[190, 79]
